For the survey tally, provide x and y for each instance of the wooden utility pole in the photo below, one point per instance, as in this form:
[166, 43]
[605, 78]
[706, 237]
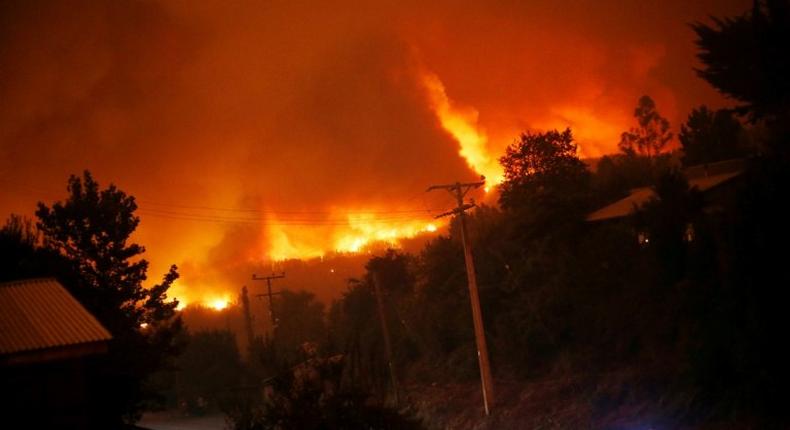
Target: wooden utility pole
[245, 307]
[385, 331]
[459, 190]
[269, 294]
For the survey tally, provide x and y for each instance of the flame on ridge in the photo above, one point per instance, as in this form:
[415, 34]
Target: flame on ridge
[346, 232]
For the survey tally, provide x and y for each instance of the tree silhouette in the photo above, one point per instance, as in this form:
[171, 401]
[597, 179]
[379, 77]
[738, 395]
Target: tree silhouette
[209, 368]
[709, 136]
[747, 58]
[91, 230]
[300, 319]
[652, 134]
[20, 254]
[393, 271]
[540, 164]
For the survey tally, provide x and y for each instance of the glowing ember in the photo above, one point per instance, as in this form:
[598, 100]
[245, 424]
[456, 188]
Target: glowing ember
[462, 125]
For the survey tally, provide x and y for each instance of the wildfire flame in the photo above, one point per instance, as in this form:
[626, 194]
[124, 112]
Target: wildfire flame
[461, 123]
[211, 302]
[358, 230]
[355, 230]
[305, 237]
[353, 233]
[365, 231]
[218, 304]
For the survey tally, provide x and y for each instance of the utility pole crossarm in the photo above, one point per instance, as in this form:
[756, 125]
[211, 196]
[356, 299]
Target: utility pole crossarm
[458, 184]
[267, 278]
[456, 210]
[274, 293]
[269, 293]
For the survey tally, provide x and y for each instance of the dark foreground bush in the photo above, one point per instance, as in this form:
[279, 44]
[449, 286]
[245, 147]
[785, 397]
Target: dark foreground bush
[308, 397]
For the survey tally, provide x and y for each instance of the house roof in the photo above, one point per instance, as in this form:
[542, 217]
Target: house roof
[623, 207]
[703, 178]
[39, 314]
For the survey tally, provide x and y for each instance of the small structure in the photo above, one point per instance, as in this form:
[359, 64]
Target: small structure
[46, 336]
[708, 179]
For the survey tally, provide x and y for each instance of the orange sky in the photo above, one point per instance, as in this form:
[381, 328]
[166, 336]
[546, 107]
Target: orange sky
[323, 122]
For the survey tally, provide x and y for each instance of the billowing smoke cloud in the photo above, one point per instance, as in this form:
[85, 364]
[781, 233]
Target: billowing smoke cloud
[304, 112]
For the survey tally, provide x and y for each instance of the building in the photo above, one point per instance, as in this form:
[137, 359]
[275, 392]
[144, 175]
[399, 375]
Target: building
[46, 338]
[710, 179]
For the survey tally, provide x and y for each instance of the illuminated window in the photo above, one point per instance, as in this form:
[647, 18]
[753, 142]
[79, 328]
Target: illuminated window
[689, 235]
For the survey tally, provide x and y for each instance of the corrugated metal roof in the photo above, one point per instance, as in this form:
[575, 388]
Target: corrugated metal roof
[38, 314]
[640, 196]
[623, 207]
[717, 168]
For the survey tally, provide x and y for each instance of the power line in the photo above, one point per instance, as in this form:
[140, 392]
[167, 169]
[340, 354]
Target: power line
[280, 222]
[182, 212]
[276, 212]
[333, 216]
[289, 212]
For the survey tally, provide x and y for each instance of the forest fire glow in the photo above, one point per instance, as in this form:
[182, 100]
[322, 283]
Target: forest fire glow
[462, 124]
[365, 231]
[218, 299]
[218, 304]
[350, 233]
